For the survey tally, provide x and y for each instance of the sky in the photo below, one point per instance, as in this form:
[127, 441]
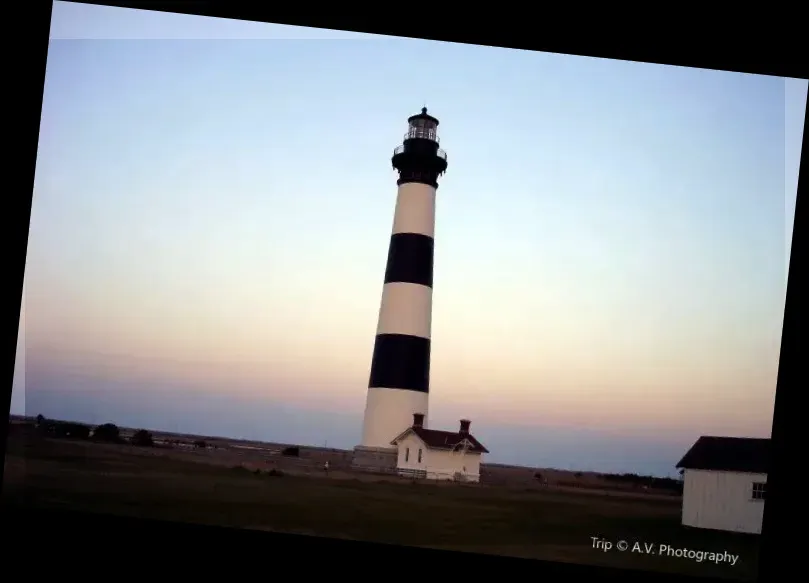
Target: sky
[213, 203]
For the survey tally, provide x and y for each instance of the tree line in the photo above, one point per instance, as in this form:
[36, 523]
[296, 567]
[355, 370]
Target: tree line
[106, 432]
[111, 433]
[636, 480]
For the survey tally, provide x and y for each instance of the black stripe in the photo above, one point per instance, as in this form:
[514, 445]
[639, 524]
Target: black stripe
[401, 362]
[410, 259]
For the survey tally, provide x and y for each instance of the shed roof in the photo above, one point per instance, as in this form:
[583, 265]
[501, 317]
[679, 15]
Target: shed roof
[729, 454]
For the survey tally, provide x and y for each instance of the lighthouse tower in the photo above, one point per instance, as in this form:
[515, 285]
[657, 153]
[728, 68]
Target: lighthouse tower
[399, 383]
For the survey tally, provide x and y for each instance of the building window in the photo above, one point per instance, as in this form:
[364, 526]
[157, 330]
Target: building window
[407, 453]
[759, 490]
[419, 456]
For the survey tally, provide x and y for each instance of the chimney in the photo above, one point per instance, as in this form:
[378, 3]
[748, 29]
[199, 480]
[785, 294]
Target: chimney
[418, 419]
[465, 426]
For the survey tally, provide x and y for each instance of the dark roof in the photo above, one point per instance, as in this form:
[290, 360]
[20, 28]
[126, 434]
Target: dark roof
[422, 115]
[730, 454]
[435, 439]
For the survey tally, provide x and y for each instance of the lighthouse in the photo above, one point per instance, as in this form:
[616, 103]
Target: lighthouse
[399, 383]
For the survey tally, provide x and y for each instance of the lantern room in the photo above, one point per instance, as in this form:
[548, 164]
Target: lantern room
[422, 126]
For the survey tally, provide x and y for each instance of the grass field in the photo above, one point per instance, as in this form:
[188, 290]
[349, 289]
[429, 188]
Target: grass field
[533, 523]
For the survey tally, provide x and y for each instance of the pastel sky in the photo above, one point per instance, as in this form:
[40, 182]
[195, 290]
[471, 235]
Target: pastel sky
[213, 202]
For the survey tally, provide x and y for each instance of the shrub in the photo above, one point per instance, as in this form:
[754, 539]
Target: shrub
[47, 427]
[142, 438]
[63, 429]
[201, 444]
[107, 432]
[275, 473]
[292, 451]
[74, 430]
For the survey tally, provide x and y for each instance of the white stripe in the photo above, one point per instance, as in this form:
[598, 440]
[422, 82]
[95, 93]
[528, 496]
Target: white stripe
[388, 412]
[415, 209]
[406, 309]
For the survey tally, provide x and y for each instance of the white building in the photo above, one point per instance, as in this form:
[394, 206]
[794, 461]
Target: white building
[438, 455]
[725, 483]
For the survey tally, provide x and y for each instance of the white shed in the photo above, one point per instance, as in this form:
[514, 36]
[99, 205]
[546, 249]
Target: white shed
[725, 483]
[438, 455]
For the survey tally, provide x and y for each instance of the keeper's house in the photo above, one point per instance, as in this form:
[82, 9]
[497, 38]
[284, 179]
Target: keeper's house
[438, 455]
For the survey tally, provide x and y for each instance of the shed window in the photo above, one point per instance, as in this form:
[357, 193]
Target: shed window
[419, 455]
[407, 453]
[759, 491]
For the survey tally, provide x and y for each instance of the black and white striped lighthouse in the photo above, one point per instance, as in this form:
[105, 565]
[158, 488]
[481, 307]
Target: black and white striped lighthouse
[399, 382]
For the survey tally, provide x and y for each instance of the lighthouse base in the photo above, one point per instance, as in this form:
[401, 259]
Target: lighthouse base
[375, 459]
